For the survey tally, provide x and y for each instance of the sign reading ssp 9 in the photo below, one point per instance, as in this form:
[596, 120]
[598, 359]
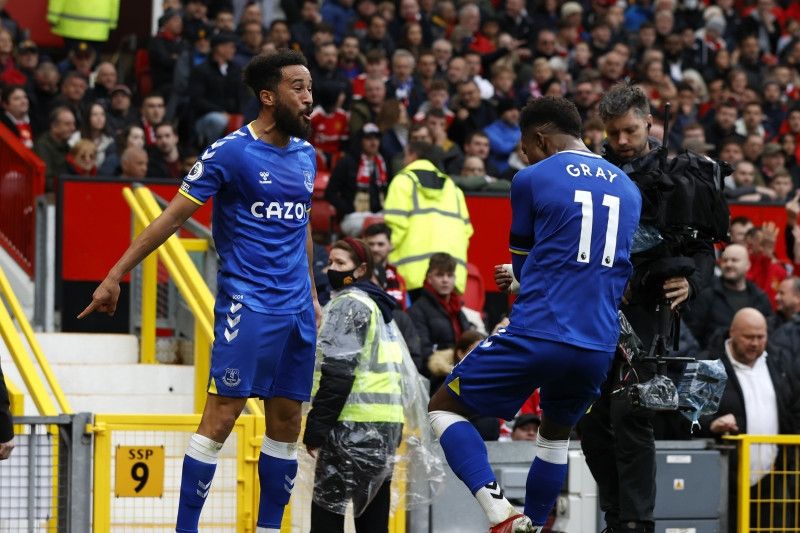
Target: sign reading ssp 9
[139, 471]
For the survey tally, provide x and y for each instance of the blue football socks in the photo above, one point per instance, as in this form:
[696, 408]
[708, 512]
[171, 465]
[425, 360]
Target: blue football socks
[199, 465]
[277, 468]
[545, 478]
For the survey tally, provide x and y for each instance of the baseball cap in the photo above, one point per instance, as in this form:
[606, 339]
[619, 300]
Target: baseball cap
[772, 149]
[83, 49]
[370, 129]
[571, 8]
[168, 14]
[222, 38]
[27, 46]
[528, 418]
[120, 88]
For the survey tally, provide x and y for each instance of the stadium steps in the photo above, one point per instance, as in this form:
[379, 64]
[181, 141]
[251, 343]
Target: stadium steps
[100, 373]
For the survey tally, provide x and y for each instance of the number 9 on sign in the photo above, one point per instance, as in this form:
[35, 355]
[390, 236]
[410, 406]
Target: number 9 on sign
[139, 471]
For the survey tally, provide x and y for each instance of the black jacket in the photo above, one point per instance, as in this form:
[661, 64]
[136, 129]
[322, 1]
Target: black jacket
[342, 188]
[163, 54]
[787, 337]
[211, 91]
[732, 402]
[712, 310]
[434, 326]
[477, 120]
[6, 425]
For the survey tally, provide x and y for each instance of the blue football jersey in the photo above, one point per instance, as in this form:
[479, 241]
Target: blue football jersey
[573, 215]
[262, 198]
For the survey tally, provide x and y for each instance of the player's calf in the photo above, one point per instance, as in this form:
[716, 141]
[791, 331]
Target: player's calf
[467, 456]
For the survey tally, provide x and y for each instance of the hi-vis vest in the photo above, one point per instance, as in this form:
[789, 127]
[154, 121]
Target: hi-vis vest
[91, 20]
[424, 220]
[377, 391]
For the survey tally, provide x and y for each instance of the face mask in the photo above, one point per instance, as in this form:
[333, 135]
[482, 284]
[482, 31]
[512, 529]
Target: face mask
[340, 280]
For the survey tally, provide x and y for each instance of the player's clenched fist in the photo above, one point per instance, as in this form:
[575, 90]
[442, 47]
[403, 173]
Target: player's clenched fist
[104, 299]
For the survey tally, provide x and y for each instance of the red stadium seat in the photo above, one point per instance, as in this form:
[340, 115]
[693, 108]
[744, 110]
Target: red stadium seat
[235, 121]
[141, 69]
[323, 220]
[474, 292]
[374, 219]
[321, 183]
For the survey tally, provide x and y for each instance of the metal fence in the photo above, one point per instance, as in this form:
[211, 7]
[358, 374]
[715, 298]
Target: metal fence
[46, 483]
[21, 181]
[768, 483]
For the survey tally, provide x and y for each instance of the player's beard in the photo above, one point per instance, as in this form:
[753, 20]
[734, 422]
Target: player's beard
[291, 123]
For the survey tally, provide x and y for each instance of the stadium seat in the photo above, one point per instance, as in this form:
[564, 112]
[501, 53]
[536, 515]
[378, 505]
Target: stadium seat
[323, 220]
[141, 69]
[370, 220]
[474, 292]
[235, 121]
[320, 184]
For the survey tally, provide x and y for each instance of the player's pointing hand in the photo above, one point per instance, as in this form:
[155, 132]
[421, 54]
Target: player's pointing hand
[104, 299]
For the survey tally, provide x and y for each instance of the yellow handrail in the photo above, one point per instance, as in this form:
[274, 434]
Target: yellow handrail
[191, 286]
[27, 330]
[16, 398]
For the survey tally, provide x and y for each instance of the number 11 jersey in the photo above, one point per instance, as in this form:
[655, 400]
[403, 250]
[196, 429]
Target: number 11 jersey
[573, 215]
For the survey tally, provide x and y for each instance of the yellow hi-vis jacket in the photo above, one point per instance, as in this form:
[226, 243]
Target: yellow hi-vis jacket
[427, 214]
[91, 20]
[377, 392]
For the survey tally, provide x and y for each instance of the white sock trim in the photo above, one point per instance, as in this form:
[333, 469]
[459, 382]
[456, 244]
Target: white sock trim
[203, 449]
[552, 451]
[441, 420]
[267, 530]
[281, 450]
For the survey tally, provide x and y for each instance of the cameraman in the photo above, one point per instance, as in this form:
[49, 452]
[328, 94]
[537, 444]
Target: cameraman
[613, 428]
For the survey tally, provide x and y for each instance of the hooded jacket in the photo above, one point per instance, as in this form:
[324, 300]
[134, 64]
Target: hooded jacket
[427, 213]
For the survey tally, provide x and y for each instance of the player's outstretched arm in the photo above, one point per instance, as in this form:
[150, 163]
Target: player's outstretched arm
[106, 295]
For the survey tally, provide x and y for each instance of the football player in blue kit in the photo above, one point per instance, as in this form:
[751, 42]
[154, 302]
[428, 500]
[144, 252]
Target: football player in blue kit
[573, 219]
[261, 177]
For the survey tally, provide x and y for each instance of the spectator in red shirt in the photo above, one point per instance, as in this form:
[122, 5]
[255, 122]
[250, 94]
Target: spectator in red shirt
[765, 269]
[329, 124]
[15, 113]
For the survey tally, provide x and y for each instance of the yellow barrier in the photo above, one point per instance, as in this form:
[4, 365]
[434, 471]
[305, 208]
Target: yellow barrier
[16, 398]
[21, 357]
[192, 288]
[229, 506]
[768, 499]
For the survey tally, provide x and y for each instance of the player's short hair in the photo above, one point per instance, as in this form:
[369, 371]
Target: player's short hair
[622, 98]
[554, 110]
[264, 72]
[379, 228]
[359, 253]
[441, 262]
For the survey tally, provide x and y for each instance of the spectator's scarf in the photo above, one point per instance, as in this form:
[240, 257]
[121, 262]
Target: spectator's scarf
[452, 305]
[364, 176]
[373, 182]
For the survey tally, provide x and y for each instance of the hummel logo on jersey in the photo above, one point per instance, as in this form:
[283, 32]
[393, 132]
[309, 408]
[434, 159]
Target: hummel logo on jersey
[494, 490]
[264, 177]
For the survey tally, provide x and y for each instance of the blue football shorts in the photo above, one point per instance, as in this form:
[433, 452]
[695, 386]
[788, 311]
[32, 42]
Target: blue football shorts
[262, 355]
[501, 373]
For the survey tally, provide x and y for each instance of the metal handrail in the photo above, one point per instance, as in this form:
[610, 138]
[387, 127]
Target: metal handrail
[22, 358]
